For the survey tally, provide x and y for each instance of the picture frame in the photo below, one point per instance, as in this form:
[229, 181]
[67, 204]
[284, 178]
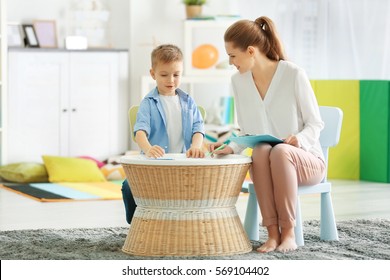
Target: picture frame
[15, 35]
[46, 33]
[30, 39]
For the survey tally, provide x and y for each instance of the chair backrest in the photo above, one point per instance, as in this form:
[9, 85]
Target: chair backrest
[202, 111]
[330, 135]
[133, 117]
[333, 118]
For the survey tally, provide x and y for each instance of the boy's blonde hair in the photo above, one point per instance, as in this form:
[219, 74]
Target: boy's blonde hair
[165, 54]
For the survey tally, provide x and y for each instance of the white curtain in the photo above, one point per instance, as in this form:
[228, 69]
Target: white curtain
[303, 28]
[332, 39]
[360, 39]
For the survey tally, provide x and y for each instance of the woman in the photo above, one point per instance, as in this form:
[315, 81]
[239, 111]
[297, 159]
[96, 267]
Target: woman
[274, 96]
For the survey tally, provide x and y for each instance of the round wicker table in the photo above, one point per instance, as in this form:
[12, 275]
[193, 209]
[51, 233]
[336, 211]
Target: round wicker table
[186, 206]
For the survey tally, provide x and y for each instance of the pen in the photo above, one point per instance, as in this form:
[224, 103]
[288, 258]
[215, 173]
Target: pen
[217, 149]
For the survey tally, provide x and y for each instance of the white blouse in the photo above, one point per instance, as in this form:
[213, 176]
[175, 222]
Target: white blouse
[289, 107]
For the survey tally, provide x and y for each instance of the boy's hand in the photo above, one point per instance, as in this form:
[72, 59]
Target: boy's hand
[155, 152]
[195, 153]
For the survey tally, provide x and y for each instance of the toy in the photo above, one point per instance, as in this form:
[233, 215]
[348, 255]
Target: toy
[204, 56]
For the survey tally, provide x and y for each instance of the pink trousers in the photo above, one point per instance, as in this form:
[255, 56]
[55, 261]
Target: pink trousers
[276, 173]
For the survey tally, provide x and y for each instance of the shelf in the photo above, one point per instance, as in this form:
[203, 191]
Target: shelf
[199, 32]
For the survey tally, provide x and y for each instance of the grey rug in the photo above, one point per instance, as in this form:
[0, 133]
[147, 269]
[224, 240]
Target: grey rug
[359, 240]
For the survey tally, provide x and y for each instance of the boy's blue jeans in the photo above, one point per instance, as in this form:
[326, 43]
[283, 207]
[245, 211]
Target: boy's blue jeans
[128, 200]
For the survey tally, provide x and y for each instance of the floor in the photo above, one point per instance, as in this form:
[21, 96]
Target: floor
[351, 200]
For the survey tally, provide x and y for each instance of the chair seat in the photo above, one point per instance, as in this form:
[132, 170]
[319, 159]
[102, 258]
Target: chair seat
[319, 188]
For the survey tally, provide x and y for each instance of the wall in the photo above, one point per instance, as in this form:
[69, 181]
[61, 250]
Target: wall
[341, 35]
[134, 24]
[344, 39]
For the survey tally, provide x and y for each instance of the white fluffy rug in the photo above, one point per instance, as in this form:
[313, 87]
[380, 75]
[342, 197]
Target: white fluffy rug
[359, 240]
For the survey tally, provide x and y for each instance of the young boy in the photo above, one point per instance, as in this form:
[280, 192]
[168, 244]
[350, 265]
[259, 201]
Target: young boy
[168, 120]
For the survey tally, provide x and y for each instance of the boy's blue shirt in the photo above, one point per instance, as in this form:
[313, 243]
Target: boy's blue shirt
[151, 119]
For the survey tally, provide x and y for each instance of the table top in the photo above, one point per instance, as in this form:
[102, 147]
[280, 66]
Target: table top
[181, 159]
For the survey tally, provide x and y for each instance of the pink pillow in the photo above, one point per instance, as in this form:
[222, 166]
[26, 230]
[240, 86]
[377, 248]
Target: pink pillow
[98, 162]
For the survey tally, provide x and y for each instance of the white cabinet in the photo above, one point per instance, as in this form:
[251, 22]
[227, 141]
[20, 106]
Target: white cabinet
[67, 103]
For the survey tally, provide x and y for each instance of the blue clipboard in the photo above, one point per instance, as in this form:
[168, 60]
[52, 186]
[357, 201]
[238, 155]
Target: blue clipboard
[252, 140]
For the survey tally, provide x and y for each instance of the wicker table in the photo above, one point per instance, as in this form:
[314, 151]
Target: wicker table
[186, 206]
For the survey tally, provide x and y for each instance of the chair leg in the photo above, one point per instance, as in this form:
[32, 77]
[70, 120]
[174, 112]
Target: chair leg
[298, 230]
[328, 222]
[251, 222]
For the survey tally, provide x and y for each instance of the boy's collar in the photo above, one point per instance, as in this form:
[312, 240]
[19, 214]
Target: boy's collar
[155, 94]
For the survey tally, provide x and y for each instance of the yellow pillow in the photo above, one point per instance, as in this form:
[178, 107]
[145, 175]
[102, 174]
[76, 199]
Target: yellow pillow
[24, 172]
[69, 169]
[113, 172]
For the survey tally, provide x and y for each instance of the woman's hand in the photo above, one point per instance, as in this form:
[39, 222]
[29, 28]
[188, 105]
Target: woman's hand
[224, 151]
[195, 153]
[155, 152]
[292, 140]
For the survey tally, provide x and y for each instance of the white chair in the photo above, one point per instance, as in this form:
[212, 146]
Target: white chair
[329, 137]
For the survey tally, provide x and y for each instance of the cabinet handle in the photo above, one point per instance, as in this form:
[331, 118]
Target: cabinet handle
[74, 110]
[64, 110]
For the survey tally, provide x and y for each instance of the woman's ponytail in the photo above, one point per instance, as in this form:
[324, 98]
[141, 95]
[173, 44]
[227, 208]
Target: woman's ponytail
[272, 47]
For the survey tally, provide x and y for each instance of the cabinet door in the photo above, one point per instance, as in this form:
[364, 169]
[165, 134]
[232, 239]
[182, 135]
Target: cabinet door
[37, 88]
[94, 104]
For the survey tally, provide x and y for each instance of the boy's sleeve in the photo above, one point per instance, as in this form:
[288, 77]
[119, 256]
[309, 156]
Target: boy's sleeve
[143, 118]
[198, 124]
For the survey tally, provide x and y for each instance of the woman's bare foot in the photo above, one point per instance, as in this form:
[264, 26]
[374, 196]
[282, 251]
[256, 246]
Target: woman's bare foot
[273, 240]
[269, 246]
[287, 238]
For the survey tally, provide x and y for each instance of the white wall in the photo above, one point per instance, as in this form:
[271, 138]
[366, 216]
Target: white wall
[351, 36]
